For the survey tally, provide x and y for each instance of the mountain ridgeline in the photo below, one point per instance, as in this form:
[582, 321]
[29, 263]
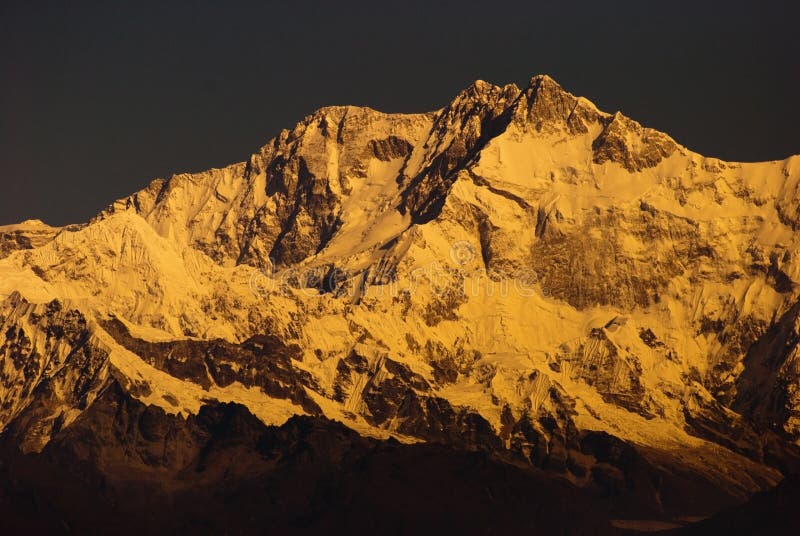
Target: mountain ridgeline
[515, 312]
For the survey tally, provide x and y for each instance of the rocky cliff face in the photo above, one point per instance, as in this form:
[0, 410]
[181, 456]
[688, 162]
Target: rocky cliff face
[26, 235]
[518, 273]
[52, 369]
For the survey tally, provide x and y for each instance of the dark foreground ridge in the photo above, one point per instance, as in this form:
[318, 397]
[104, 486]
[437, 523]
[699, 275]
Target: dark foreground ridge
[127, 468]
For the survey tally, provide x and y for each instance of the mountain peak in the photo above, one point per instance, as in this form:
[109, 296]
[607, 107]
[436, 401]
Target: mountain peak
[481, 86]
[481, 91]
[543, 79]
[549, 108]
[516, 272]
[537, 83]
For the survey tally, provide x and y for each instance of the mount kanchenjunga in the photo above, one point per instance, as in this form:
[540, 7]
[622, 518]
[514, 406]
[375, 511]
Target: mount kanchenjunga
[517, 271]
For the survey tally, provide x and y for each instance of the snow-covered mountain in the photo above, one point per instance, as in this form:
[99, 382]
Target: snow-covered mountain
[517, 272]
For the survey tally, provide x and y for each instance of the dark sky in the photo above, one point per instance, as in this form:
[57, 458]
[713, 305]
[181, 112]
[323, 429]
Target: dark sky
[96, 99]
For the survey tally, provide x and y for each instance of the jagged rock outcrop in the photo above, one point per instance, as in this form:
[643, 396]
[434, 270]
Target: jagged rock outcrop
[768, 389]
[52, 369]
[625, 142]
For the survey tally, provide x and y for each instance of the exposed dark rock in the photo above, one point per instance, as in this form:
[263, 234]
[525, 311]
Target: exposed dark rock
[580, 261]
[546, 107]
[262, 361]
[767, 390]
[614, 144]
[25, 237]
[649, 338]
[56, 367]
[598, 362]
[475, 116]
[390, 148]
